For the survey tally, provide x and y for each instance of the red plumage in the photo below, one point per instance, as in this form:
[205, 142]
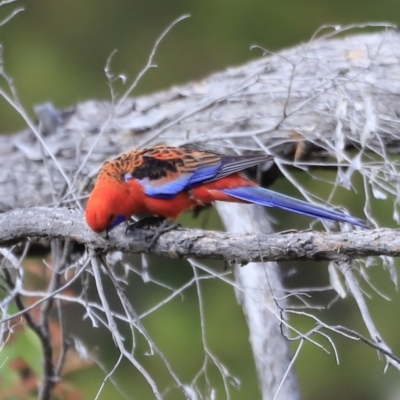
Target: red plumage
[166, 181]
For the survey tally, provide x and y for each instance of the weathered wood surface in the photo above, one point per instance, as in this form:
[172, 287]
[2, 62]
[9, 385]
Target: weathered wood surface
[331, 93]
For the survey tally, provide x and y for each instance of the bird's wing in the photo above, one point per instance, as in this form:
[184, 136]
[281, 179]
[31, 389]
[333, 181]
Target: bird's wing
[165, 171]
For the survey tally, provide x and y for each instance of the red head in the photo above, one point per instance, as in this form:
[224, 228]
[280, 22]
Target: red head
[108, 206]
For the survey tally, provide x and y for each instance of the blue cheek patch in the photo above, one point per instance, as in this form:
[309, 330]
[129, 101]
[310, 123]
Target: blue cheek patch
[120, 218]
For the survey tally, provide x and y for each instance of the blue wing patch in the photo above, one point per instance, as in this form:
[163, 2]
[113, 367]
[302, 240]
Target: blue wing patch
[167, 189]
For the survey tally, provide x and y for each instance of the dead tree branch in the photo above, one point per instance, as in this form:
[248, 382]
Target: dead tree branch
[241, 248]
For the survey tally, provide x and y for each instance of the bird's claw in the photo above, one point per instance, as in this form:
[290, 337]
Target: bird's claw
[158, 226]
[164, 227]
[144, 223]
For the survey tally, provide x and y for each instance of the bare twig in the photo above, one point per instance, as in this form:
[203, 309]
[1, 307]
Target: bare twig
[115, 332]
[149, 63]
[12, 13]
[26, 309]
[135, 321]
[347, 271]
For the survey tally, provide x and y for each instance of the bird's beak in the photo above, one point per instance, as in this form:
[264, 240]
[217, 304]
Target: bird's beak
[104, 234]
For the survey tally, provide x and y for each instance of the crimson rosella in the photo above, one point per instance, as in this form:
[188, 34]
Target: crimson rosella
[164, 181]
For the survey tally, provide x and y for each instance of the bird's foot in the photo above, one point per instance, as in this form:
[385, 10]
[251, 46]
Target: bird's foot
[164, 227]
[158, 226]
[144, 223]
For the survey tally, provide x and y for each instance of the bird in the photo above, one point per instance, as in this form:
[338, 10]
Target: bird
[164, 181]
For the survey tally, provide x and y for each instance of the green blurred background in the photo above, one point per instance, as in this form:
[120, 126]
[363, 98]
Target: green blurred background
[56, 51]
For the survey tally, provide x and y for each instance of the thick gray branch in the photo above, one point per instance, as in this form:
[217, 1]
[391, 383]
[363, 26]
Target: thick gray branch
[40, 222]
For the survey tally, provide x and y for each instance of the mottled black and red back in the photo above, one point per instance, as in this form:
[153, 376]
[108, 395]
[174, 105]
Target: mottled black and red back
[163, 161]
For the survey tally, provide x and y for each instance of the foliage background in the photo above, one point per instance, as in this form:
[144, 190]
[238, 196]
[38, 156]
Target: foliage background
[56, 51]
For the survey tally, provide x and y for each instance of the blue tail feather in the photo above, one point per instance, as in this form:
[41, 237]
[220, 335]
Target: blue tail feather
[269, 198]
